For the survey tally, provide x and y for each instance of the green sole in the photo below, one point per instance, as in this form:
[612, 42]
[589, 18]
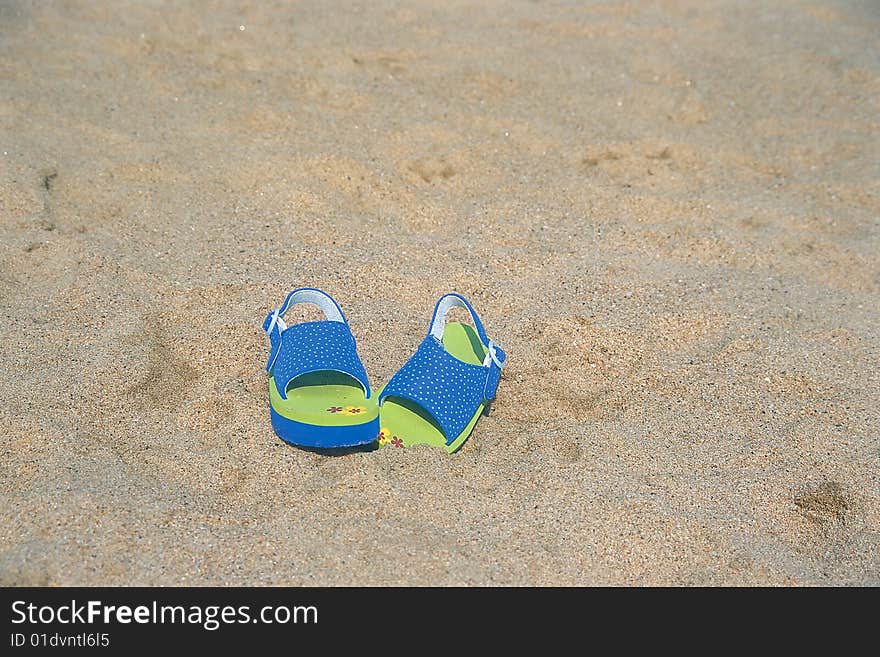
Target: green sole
[405, 424]
[329, 399]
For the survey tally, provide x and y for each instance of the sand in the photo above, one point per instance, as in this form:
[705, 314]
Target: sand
[666, 212]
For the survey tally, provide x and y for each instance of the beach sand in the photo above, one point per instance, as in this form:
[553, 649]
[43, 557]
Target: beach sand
[668, 213]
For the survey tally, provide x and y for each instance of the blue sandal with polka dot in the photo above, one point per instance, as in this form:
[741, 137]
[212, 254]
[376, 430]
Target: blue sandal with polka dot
[437, 397]
[319, 395]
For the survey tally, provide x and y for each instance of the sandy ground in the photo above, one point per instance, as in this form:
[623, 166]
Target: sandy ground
[666, 212]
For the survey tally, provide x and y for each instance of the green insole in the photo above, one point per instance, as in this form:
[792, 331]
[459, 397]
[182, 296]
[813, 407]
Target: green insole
[404, 423]
[324, 398]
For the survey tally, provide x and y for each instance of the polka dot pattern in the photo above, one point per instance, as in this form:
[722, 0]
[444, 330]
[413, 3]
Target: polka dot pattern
[314, 347]
[449, 389]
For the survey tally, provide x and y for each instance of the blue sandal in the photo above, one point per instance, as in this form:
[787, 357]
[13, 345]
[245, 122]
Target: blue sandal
[438, 395]
[319, 395]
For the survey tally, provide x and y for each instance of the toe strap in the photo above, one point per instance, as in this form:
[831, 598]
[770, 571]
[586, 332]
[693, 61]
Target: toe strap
[449, 389]
[311, 346]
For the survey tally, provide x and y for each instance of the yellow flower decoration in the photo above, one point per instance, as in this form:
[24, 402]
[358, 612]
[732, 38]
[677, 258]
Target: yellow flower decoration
[354, 410]
[384, 436]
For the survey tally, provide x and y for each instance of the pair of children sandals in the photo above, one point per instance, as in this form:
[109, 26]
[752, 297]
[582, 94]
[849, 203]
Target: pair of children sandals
[320, 397]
